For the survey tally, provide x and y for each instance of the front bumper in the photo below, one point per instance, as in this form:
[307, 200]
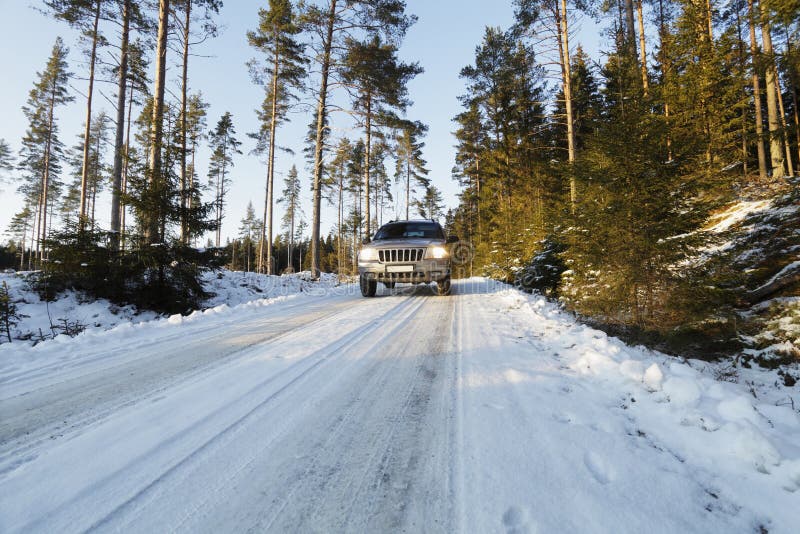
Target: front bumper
[423, 271]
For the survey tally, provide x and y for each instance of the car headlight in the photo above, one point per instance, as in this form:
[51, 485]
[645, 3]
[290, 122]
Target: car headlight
[437, 252]
[368, 254]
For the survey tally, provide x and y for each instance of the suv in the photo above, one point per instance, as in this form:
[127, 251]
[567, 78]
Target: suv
[406, 251]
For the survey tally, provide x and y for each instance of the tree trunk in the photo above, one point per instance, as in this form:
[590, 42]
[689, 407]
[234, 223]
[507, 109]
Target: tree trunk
[318, 163]
[86, 132]
[291, 236]
[408, 188]
[630, 32]
[786, 145]
[184, 103]
[367, 164]
[787, 279]
[663, 55]
[95, 177]
[775, 148]
[566, 76]
[643, 49]
[262, 243]
[271, 163]
[339, 250]
[793, 90]
[157, 127]
[22, 245]
[116, 175]
[46, 174]
[743, 69]
[762, 157]
[125, 171]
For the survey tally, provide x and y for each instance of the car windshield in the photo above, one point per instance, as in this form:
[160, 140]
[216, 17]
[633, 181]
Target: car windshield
[410, 230]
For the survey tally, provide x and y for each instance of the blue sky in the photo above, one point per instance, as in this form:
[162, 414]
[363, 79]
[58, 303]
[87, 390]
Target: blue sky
[443, 41]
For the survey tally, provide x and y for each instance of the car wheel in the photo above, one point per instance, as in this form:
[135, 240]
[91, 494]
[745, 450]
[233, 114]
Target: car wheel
[444, 287]
[368, 287]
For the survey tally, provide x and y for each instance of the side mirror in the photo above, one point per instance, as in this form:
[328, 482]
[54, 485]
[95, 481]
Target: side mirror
[452, 239]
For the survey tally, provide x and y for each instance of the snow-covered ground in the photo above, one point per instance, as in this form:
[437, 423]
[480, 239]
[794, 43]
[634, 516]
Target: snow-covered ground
[41, 321]
[487, 411]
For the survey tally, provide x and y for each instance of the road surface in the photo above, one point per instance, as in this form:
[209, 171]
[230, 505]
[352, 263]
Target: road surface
[408, 412]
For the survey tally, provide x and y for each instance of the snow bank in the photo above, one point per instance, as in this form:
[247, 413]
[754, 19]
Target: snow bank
[232, 292]
[739, 442]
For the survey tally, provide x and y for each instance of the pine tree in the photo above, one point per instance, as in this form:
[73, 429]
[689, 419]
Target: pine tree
[224, 145]
[293, 214]
[430, 206]
[410, 169]
[539, 18]
[157, 190]
[502, 154]
[96, 173]
[84, 15]
[20, 228]
[339, 167]
[136, 84]
[380, 83]
[9, 313]
[193, 127]
[41, 147]
[381, 184]
[6, 160]
[129, 74]
[248, 232]
[283, 75]
[208, 28]
[328, 26]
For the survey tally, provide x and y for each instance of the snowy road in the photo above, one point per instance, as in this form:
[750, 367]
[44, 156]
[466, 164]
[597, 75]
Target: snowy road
[487, 411]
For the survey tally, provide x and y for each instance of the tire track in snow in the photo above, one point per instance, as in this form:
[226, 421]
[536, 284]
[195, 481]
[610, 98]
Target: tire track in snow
[70, 406]
[129, 349]
[293, 379]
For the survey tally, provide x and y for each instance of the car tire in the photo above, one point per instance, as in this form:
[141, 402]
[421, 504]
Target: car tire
[368, 287]
[444, 287]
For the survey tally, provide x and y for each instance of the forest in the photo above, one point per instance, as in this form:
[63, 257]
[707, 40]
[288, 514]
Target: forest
[593, 180]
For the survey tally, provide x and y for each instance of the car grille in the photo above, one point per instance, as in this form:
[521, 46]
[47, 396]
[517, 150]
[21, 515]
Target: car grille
[400, 255]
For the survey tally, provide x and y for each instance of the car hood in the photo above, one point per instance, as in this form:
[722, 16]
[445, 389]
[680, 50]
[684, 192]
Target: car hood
[406, 242]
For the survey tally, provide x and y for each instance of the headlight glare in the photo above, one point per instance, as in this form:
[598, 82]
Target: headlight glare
[437, 252]
[368, 254]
